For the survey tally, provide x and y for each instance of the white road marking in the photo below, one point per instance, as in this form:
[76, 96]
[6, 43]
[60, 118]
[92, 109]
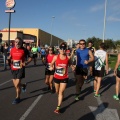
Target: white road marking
[102, 113]
[5, 82]
[30, 108]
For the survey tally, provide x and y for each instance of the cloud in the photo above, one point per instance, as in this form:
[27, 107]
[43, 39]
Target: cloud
[113, 19]
[97, 8]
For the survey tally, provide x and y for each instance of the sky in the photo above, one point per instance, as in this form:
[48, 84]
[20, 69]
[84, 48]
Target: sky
[73, 19]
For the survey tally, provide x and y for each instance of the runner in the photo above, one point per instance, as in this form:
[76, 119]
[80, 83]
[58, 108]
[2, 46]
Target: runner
[17, 59]
[49, 74]
[34, 51]
[43, 54]
[117, 74]
[101, 57]
[91, 64]
[83, 60]
[74, 60]
[61, 73]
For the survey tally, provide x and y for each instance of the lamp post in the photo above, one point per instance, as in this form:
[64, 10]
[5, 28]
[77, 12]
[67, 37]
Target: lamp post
[104, 21]
[51, 30]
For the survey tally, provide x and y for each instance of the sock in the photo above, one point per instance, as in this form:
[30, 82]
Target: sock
[58, 107]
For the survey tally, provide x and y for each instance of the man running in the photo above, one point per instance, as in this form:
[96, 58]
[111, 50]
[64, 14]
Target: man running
[83, 60]
[17, 59]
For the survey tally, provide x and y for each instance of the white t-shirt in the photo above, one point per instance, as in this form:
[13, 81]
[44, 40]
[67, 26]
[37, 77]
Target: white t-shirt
[100, 56]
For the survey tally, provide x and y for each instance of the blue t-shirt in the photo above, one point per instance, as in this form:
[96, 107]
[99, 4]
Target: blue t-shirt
[82, 55]
[43, 52]
[39, 49]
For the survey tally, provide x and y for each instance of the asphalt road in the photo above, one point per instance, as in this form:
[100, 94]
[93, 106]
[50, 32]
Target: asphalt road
[39, 104]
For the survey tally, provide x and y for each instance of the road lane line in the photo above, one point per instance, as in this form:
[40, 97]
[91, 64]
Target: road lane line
[30, 108]
[5, 82]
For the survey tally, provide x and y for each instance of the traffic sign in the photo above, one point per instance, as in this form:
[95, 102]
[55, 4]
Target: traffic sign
[10, 3]
[9, 11]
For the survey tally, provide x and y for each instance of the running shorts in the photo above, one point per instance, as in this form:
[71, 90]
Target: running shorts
[81, 71]
[99, 73]
[58, 81]
[18, 74]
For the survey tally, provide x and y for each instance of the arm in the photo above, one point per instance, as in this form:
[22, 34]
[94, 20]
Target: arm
[91, 57]
[106, 61]
[117, 64]
[53, 62]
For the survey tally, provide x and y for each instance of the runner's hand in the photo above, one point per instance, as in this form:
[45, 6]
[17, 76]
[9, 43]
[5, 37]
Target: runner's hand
[86, 61]
[51, 68]
[114, 72]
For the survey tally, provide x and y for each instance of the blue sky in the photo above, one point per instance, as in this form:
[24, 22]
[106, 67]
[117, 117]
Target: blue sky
[74, 19]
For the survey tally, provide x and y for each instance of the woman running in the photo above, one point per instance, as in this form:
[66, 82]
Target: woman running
[49, 74]
[61, 73]
[117, 74]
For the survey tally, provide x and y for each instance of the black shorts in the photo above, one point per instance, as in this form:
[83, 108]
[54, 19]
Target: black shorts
[42, 56]
[99, 73]
[91, 64]
[18, 74]
[118, 73]
[58, 81]
[48, 72]
[81, 71]
[34, 55]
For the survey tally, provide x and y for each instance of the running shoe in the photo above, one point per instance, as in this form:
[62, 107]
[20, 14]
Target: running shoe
[24, 87]
[116, 97]
[57, 111]
[97, 95]
[48, 88]
[16, 101]
[51, 91]
[77, 97]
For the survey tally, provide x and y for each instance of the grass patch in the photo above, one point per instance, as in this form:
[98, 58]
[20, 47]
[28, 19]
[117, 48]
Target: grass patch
[112, 61]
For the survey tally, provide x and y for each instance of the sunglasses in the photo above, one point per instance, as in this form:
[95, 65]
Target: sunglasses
[62, 48]
[82, 43]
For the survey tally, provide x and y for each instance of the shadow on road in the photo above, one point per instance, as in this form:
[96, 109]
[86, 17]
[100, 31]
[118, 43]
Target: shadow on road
[107, 83]
[35, 80]
[6, 88]
[97, 112]
[62, 110]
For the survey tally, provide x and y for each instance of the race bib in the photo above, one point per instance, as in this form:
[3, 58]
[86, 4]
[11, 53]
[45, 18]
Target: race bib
[60, 71]
[17, 64]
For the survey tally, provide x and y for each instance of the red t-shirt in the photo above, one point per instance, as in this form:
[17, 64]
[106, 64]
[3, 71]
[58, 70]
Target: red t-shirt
[18, 57]
[61, 69]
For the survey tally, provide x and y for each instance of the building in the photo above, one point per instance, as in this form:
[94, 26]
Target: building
[27, 38]
[70, 43]
[42, 37]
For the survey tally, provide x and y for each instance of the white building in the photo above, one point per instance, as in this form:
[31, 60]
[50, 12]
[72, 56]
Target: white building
[70, 43]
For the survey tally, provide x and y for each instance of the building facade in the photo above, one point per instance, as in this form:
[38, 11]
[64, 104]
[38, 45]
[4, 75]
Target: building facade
[42, 37]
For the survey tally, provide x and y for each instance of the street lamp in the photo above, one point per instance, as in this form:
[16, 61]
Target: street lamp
[51, 30]
[104, 21]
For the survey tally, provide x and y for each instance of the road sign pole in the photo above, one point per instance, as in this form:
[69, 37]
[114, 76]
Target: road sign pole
[9, 28]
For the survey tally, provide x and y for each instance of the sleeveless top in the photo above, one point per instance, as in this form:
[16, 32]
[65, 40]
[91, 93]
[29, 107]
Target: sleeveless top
[49, 59]
[100, 56]
[61, 69]
[82, 55]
